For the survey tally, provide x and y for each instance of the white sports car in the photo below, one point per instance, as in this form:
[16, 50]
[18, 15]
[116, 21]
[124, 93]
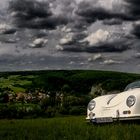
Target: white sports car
[121, 106]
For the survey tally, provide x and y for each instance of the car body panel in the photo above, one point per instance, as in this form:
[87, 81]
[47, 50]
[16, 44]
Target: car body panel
[114, 106]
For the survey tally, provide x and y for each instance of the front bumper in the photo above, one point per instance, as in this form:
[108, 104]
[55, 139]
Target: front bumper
[110, 120]
[102, 120]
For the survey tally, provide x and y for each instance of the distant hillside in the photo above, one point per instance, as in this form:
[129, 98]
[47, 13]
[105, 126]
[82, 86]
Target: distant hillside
[76, 82]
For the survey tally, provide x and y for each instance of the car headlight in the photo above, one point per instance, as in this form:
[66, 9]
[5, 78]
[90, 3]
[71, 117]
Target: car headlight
[91, 105]
[131, 101]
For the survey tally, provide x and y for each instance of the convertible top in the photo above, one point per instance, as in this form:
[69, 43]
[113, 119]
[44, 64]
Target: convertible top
[133, 85]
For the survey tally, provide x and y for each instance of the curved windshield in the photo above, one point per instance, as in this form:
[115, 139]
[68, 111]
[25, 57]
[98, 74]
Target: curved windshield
[132, 85]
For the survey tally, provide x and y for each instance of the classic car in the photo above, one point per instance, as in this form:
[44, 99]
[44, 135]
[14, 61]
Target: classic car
[114, 107]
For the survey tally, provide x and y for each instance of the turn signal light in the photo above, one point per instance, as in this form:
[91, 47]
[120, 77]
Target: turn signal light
[127, 112]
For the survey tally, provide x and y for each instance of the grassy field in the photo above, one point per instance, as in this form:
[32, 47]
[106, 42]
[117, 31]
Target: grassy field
[66, 128]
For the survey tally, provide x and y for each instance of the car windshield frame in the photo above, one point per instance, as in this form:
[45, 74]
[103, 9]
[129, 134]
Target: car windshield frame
[132, 86]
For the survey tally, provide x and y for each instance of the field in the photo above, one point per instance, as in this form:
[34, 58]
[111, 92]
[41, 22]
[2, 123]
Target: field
[66, 128]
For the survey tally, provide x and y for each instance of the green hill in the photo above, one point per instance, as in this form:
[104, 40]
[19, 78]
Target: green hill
[77, 82]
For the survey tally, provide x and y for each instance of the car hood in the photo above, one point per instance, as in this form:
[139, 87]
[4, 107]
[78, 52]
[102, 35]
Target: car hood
[113, 100]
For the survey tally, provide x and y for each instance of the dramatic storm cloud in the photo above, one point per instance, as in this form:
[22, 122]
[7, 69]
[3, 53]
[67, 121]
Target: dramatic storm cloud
[134, 7]
[34, 14]
[70, 34]
[95, 10]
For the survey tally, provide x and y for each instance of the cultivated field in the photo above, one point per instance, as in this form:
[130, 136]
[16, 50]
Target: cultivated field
[66, 128]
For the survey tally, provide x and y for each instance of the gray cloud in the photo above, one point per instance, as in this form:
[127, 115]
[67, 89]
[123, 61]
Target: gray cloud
[134, 9]
[136, 30]
[29, 9]
[98, 41]
[10, 31]
[34, 14]
[7, 29]
[92, 13]
[113, 21]
[38, 43]
[108, 47]
[39, 23]
[111, 62]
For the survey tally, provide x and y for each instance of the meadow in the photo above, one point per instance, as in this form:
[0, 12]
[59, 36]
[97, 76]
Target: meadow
[66, 128]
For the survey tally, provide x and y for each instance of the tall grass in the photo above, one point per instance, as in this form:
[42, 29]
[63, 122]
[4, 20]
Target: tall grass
[66, 128]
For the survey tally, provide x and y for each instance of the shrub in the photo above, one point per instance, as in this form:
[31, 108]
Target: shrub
[64, 111]
[77, 110]
[50, 112]
[19, 111]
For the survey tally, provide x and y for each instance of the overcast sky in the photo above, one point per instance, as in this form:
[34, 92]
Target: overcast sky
[70, 34]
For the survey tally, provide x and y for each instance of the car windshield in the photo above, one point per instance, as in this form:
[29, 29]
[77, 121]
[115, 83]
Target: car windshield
[132, 85]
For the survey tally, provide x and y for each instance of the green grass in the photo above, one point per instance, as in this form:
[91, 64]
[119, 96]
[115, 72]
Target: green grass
[65, 128]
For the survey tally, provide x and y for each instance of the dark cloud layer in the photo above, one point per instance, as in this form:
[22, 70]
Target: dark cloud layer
[136, 30]
[134, 7]
[40, 23]
[107, 47]
[34, 14]
[134, 10]
[29, 9]
[91, 14]
[9, 31]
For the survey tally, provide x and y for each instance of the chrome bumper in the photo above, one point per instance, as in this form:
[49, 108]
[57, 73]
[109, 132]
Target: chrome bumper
[110, 120]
